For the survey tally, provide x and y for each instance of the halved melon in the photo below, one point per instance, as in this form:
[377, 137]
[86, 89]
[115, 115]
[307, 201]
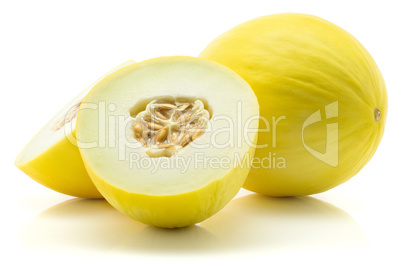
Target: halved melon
[52, 157]
[169, 141]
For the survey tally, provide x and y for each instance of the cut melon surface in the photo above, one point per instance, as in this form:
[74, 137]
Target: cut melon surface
[52, 157]
[169, 141]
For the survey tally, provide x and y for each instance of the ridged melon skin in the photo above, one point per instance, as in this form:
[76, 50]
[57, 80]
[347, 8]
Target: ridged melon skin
[61, 169]
[298, 64]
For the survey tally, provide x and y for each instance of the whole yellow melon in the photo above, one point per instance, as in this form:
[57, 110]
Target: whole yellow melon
[323, 101]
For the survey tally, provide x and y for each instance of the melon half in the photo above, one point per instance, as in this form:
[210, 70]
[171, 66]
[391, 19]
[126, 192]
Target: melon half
[52, 157]
[169, 141]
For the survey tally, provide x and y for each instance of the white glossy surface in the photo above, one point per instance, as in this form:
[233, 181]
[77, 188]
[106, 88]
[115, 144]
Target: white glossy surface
[51, 50]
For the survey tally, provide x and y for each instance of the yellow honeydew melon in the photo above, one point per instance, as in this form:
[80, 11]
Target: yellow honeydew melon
[52, 157]
[322, 98]
[145, 177]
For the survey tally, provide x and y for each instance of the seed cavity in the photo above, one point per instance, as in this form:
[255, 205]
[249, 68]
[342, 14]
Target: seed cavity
[166, 127]
[71, 114]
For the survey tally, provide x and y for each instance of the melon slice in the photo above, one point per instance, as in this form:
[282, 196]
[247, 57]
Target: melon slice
[169, 141]
[52, 157]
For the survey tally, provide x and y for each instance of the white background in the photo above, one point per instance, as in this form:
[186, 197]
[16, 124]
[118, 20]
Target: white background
[51, 50]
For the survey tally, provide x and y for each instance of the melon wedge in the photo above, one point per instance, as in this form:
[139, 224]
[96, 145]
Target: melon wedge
[52, 157]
